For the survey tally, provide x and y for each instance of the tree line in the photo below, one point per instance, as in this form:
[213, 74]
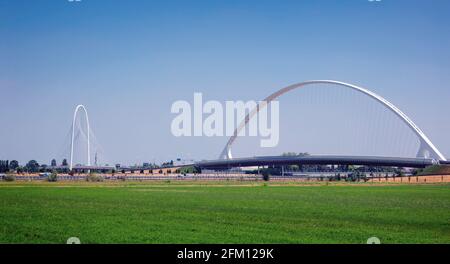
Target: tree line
[31, 166]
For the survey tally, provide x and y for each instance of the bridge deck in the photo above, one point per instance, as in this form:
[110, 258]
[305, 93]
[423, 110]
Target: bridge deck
[316, 160]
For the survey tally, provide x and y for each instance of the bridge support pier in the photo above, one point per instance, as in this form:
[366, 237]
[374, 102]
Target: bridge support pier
[423, 151]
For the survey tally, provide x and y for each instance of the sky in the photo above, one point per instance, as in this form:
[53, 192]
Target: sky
[128, 61]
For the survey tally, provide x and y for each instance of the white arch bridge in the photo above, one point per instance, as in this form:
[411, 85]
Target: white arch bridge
[91, 141]
[72, 140]
[427, 153]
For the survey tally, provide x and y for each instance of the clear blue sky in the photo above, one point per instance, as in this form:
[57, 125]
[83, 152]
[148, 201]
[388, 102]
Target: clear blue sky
[127, 61]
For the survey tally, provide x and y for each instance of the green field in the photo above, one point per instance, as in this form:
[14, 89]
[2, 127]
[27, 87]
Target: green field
[227, 212]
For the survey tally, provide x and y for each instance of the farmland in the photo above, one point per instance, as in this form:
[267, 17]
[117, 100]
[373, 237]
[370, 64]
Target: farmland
[223, 212]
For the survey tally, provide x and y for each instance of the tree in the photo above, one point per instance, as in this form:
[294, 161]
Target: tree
[53, 163]
[43, 168]
[266, 175]
[20, 169]
[399, 172]
[64, 162]
[4, 166]
[13, 165]
[189, 169]
[32, 166]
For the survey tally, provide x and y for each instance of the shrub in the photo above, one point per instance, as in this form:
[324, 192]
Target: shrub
[266, 175]
[53, 177]
[93, 177]
[9, 177]
[121, 178]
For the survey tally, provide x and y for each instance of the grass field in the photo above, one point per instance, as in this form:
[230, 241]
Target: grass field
[227, 212]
